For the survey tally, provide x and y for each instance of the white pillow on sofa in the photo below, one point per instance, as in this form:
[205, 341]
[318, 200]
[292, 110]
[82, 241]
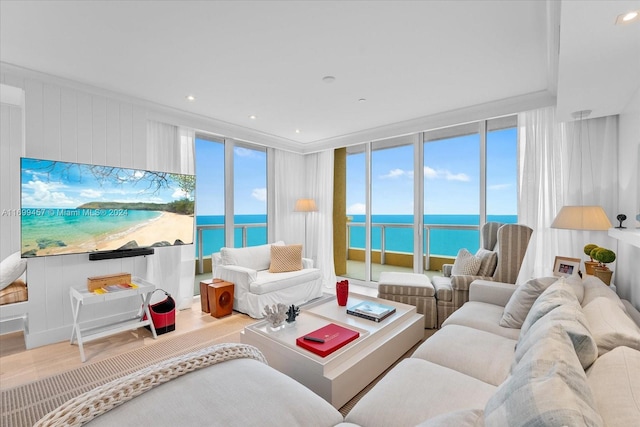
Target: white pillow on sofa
[554, 296]
[11, 268]
[522, 299]
[466, 264]
[611, 326]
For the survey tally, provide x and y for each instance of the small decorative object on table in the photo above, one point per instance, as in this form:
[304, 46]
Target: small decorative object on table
[589, 266]
[342, 292]
[292, 313]
[621, 218]
[565, 267]
[275, 315]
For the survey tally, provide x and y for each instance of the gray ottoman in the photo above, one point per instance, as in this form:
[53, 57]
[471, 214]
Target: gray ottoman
[413, 289]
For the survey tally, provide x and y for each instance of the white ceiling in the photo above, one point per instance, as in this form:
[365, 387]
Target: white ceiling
[410, 60]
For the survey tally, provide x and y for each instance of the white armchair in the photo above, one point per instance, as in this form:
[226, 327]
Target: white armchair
[255, 286]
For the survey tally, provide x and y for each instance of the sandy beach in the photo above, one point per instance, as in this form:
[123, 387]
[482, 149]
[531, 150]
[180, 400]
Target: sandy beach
[166, 227]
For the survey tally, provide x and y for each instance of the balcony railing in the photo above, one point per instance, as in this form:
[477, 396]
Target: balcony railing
[427, 235]
[382, 226]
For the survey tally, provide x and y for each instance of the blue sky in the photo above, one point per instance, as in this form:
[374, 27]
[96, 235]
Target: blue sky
[451, 178]
[250, 179]
[52, 184]
[451, 170]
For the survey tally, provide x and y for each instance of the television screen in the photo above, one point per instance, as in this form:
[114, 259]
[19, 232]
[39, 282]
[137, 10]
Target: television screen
[70, 208]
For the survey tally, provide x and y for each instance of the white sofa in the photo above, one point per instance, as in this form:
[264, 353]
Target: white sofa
[255, 287]
[572, 358]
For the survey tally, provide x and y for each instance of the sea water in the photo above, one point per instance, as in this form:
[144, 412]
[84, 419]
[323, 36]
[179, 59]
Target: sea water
[442, 241]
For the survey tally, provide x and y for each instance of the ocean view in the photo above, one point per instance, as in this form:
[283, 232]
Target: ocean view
[443, 242]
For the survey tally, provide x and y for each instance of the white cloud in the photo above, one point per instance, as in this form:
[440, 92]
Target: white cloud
[44, 194]
[499, 186]
[180, 194]
[357, 209]
[243, 152]
[430, 173]
[395, 173]
[259, 194]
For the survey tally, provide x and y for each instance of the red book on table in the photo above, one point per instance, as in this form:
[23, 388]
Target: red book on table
[327, 339]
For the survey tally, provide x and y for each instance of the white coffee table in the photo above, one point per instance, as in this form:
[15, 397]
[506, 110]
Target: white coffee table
[339, 376]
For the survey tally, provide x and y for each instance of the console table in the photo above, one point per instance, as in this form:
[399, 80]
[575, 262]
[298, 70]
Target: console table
[79, 298]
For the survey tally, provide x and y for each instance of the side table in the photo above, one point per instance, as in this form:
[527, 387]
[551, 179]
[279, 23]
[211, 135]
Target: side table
[220, 298]
[79, 298]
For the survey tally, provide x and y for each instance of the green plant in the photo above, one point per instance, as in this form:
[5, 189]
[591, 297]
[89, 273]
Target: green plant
[588, 248]
[603, 256]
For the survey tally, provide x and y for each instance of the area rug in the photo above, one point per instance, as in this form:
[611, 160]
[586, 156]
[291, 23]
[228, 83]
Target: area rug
[25, 404]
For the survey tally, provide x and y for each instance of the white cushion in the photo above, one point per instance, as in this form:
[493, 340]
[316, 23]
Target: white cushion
[522, 299]
[615, 383]
[483, 316]
[595, 288]
[464, 418]
[11, 268]
[266, 282]
[489, 361]
[466, 264]
[253, 257]
[611, 326]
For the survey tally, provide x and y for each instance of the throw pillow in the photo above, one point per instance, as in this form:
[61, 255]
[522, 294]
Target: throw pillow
[554, 296]
[285, 258]
[15, 292]
[611, 326]
[466, 264]
[613, 372]
[489, 261]
[11, 268]
[548, 387]
[522, 299]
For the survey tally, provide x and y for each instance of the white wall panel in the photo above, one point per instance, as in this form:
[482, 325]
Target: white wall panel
[113, 133]
[51, 122]
[68, 125]
[85, 128]
[99, 131]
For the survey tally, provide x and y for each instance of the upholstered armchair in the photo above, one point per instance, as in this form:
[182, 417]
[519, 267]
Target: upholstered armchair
[502, 250]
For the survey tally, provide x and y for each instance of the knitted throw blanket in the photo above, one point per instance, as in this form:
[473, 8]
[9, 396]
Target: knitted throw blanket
[87, 406]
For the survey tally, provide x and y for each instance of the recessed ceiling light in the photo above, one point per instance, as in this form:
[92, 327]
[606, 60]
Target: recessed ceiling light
[190, 98]
[297, 130]
[328, 79]
[362, 100]
[629, 17]
[253, 117]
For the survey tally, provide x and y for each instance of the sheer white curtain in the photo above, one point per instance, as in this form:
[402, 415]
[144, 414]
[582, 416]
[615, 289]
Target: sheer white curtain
[563, 164]
[294, 177]
[320, 239]
[171, 149]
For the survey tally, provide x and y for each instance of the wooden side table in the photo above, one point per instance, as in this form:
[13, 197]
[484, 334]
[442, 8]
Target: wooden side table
[220, 298]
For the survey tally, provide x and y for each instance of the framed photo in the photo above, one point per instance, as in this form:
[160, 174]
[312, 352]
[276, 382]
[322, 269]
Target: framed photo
[564, 267]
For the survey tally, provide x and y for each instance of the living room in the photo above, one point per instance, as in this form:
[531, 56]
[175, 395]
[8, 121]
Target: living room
[62, 109]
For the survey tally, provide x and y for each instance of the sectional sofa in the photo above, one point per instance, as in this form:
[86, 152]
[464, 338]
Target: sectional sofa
[547, 353]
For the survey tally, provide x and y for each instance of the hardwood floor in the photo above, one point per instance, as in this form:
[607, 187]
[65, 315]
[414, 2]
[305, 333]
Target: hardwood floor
[19, 365]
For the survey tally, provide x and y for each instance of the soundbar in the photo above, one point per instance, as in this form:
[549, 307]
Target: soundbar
[120, 253]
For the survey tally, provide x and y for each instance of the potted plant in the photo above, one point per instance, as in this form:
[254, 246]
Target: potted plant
[603, 256]
[589, 266]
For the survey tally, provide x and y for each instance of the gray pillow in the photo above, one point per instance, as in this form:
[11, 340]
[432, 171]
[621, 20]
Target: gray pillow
[489, 261]
[466, 264]
[555, 295]
[548, 387]
[522, 299]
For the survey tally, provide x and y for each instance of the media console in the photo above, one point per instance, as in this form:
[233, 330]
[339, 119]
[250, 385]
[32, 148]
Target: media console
[120, 253]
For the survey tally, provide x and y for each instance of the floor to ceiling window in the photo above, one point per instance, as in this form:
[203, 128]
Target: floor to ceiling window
[397, 211]
[247, 195]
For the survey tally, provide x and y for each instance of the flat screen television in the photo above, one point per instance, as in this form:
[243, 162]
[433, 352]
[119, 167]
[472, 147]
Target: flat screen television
[70, 208]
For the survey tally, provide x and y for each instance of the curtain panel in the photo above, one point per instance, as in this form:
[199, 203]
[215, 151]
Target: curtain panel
[561, 164]
[172, 149]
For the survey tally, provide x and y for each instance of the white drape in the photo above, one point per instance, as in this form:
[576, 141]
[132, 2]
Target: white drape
[563, 164]
[171, 149]
[295, 177]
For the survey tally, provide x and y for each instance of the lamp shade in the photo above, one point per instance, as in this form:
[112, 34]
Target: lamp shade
[582, 218]
[305, 205]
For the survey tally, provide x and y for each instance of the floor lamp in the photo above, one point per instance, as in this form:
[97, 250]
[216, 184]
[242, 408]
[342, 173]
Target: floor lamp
[306, 206]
